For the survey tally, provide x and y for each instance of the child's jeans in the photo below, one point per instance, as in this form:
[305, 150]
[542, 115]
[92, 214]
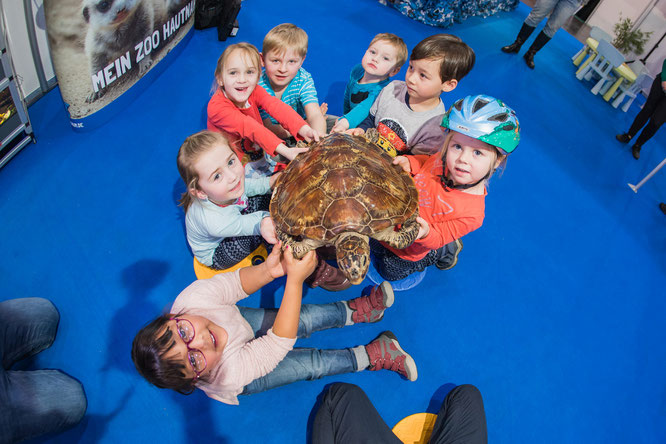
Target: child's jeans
[302, 363]
[559, 11]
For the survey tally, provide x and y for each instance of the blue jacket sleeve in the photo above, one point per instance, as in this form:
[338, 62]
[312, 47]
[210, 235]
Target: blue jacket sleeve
[369, 122]
[360, 112]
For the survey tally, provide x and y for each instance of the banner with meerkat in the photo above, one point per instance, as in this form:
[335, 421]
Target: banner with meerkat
[101, 48]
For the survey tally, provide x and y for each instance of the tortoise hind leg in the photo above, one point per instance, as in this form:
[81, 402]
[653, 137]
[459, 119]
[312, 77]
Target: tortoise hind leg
[402, 238]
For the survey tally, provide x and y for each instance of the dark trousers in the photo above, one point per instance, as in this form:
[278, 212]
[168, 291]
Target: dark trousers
[654, 110]
[346, 415]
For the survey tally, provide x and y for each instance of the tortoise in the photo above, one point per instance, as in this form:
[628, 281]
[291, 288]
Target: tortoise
[344, 190]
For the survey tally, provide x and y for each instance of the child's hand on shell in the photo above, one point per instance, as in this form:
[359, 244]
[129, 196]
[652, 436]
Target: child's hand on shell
[340, 126]
[290, 153]
[355, 132]
[308, 133]
[272, 179]
[403, 163]
[267, 230]
[424, 228]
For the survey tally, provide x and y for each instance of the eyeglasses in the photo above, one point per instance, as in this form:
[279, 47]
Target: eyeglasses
[196, 359]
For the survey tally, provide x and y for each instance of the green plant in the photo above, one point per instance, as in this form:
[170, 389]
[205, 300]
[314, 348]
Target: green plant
[627, 39]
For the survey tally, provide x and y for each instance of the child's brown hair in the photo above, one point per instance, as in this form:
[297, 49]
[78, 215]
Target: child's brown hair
[286, 36]
[149, 349]
[457, 59]
[398, 44]
[188, 154]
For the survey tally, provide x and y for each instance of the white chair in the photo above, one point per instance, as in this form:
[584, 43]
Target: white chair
[608, 58]
[596, 34]
[642, 81]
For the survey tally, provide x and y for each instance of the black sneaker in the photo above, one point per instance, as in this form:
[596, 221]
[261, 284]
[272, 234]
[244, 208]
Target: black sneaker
[623, 138]
[636, 151]
[448, 259]
[662, 207]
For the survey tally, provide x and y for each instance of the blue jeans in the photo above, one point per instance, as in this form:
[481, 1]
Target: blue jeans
[559, 10]
[33, 402]
[302, 363]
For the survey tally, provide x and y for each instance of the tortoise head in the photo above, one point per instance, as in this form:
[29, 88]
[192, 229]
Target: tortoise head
[353, 254]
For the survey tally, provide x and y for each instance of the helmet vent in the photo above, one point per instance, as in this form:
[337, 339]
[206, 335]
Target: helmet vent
[478, 104]
[501, 117]
[458, 104]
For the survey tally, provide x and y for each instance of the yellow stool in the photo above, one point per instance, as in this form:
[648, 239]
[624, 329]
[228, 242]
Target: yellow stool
[256, 257]
[416, 428]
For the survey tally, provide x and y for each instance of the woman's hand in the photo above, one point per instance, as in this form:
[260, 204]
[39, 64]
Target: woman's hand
[273, 262]
[290, 153]
[308, 133]
[298, 270]
[403, 162]
[424, 228]
[267, 230]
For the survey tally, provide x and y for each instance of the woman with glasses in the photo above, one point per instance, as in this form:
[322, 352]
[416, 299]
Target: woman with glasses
[210, 343]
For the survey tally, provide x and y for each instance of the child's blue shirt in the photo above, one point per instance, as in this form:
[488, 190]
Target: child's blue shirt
[300, 92]
[208, 224]
[359, 97]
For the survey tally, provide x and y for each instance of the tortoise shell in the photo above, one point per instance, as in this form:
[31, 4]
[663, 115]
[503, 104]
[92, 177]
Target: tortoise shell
[343, 183]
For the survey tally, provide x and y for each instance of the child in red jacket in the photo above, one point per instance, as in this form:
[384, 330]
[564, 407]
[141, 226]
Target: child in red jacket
[452, 184]
[234, 111]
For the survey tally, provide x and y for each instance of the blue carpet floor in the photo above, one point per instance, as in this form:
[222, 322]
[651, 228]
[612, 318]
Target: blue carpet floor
[553, 311]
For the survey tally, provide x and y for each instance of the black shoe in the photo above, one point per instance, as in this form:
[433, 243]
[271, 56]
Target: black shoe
[514, 47]
[623, 138]
[636, 151]
[448, 259]
[523, 34]
[662, 207]
[529, 58]
[538, 43]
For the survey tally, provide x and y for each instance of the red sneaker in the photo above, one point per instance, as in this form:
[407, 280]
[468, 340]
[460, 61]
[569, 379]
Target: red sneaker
[385, 353]
[371, 308]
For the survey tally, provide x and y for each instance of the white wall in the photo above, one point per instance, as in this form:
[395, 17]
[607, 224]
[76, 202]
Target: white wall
[607, 13]
[655, 22]
[19, 45]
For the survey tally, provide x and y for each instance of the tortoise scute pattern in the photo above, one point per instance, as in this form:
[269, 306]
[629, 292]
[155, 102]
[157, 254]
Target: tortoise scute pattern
[344, 184]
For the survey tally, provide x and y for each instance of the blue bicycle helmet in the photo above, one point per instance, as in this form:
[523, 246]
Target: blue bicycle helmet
[485, 118]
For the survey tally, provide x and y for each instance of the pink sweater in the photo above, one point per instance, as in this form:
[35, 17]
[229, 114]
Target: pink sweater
[244, 358]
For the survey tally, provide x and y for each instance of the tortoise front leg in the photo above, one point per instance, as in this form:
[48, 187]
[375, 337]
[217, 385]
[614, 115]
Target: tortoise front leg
[299, 248]
[402, 238]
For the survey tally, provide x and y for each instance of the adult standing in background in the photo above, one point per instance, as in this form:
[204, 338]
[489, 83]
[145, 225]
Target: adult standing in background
[33, 403]
[559, 12]
[654, 110]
